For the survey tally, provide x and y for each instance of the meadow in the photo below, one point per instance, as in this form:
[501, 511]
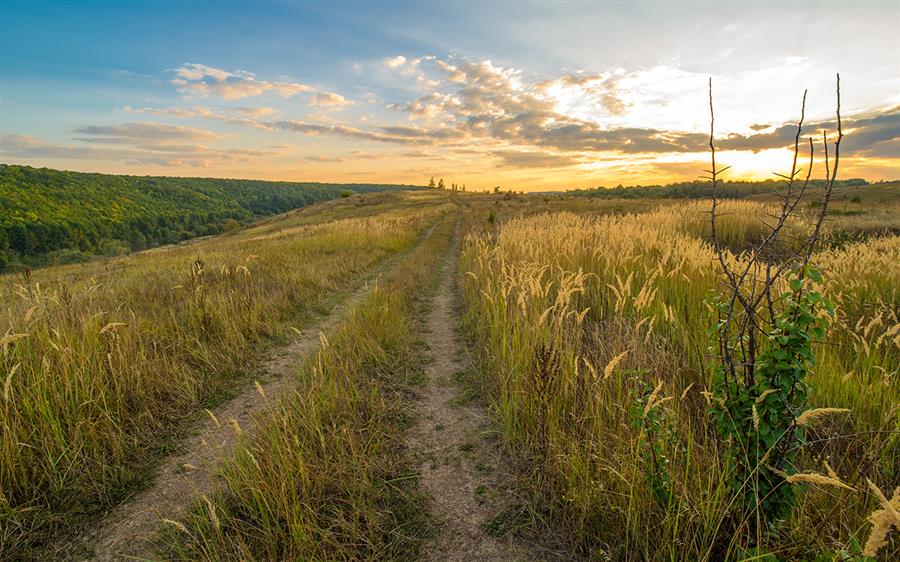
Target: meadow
[594, 346]
[103, 363]
[587, 323]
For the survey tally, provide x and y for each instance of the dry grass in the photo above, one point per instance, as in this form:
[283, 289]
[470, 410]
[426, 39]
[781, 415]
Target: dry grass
[327, 477]
[101, 362]
[591, 288]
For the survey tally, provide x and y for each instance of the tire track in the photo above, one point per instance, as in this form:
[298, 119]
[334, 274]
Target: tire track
[462, 471]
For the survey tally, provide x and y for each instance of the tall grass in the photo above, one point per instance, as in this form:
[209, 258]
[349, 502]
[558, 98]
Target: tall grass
[101, 362]
[587, 327]
[326, 478]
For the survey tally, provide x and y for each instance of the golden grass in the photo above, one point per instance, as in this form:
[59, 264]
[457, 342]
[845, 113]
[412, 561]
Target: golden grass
[327, 478]
[101, 361]
[589, 287]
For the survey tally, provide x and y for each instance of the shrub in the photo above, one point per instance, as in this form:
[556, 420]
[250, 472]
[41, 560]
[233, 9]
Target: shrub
[230, 225]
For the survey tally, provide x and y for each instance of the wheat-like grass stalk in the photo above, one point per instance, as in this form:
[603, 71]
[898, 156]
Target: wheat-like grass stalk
[213, 417]
[178, 525]
[611, 366]
[812, 415]
[882, 520]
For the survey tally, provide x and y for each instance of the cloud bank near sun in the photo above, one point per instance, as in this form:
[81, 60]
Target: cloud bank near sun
[476, 121]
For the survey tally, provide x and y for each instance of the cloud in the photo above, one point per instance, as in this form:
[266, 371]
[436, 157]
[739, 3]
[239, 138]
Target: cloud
[246, 116]
[429, 106]
[143, 132]
[395, 62]
[135, 145]
[388, 134]
[329, 99]
[522, 121]
[205, 80]
[591, 112]
[587, 93]
[869, 134]
[522, 159]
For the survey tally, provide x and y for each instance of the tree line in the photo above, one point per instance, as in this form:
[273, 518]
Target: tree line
[700, 189]
[440, 185]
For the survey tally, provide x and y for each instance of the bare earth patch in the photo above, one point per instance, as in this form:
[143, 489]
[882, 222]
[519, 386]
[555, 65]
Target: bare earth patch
[460, 467]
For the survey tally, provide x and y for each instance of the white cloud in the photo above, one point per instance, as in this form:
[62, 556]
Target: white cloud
[395, 62]
[205, 80]
[329, 99]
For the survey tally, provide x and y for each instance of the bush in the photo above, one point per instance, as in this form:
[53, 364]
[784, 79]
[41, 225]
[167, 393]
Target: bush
[230, 225]
[113, 248]
[63, 257]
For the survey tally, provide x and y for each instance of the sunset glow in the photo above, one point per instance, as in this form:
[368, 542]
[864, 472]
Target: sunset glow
[541, 97]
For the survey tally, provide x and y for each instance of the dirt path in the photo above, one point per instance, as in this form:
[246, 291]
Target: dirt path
[128, 532]
[460, 466]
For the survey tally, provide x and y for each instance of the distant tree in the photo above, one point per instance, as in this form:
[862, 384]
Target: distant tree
[431, 183]
[496, 189]
[230, 225]
[441, 184]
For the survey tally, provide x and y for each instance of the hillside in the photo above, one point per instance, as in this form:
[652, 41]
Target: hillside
[52, 216]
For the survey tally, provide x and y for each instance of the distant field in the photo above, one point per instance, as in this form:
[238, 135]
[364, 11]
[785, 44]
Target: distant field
[56, 217]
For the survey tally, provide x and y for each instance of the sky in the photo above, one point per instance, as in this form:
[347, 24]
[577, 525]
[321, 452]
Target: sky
[530, 96]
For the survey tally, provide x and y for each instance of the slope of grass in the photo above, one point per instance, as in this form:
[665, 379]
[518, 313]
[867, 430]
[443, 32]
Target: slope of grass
[51, 216]
[101, 362]
[326, 479]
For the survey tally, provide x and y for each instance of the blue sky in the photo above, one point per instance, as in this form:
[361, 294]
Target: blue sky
[528, 95]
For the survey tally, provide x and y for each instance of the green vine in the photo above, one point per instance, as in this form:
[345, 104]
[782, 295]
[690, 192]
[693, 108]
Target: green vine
[755, 416]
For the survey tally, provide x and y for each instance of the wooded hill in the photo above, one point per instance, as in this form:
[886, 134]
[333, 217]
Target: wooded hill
[52, 216]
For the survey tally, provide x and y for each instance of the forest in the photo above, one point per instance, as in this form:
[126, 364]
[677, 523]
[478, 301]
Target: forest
[55, 217]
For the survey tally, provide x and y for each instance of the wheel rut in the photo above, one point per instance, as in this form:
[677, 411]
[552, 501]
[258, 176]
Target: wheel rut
[460, 465]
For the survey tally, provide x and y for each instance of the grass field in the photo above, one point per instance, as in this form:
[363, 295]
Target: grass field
[577, 317]
[102, 362]
[584, 318]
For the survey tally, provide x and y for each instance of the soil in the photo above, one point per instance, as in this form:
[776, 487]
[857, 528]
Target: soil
[460, 464]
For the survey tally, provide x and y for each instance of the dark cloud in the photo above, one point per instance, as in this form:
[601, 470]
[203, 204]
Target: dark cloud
[392, 134]
[522, 159]
[865, 135]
